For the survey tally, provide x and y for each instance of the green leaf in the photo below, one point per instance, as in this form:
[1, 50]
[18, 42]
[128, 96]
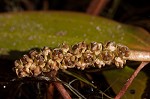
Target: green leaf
[26, 30]
[117, 79]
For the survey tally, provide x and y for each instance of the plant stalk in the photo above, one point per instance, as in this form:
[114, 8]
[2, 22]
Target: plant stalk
[50, 92]
[139, 56]
[62, 90]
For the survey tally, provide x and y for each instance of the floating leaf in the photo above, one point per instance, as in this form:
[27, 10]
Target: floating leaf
[26, 30]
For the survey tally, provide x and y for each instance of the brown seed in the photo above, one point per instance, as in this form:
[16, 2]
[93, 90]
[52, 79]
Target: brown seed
[27, 70]
[99, 63]
[64, 48]
[46, 51]
[37, 71]
[119, 62]
[74, 47]
[33, 53]
[33, 66]
[23, 74]
[18, 63]
[93, 46]
[42, 65]
[111, 46]
[72, 58]
[107, 56]
[127, 53]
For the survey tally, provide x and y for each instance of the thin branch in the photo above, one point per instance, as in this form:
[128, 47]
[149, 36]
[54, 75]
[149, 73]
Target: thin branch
[96, 7]
[73, 90]
[129, 81]
[50, 92]
[113, 9]
[62, 90]
[45, 4]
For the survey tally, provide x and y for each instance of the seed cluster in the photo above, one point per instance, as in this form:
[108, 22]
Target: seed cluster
[80, 55]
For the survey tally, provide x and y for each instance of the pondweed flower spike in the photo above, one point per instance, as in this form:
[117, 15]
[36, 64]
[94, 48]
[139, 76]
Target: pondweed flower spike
[80, 55]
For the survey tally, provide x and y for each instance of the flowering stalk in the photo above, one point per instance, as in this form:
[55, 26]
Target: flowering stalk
[139, 56]
[80, 55]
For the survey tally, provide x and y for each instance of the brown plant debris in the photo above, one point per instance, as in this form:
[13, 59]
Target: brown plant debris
[80, 56]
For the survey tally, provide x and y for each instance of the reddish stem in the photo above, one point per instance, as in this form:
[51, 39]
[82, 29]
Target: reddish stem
[50, 93]
[62, 90]
[96, 7]
[45, 4]
[128, 83]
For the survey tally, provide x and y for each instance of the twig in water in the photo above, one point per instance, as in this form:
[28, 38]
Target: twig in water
[129, 81]
[96, 7]
[62, 90]
[50, 92]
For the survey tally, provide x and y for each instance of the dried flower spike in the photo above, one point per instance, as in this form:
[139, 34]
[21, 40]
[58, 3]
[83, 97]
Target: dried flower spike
[80, 55]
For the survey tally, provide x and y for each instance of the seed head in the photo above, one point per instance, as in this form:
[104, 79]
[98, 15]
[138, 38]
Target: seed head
[80, 56]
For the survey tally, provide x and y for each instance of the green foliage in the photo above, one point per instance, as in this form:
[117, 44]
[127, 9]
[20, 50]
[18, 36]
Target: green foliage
[23, 31]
